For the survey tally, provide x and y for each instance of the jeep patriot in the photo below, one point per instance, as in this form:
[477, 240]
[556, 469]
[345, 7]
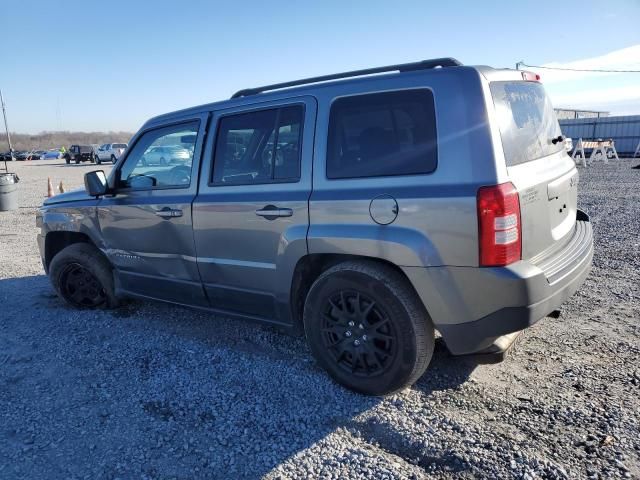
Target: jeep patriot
[365, 210]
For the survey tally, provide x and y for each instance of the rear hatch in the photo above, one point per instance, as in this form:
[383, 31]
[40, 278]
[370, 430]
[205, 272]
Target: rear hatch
[537, 165]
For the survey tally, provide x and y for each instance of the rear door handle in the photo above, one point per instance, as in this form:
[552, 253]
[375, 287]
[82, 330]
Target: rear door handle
[169, 212]
[270, 212]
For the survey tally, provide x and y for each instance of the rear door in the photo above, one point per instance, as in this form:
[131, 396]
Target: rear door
[537, 164]
[251, 214]
[147, 224]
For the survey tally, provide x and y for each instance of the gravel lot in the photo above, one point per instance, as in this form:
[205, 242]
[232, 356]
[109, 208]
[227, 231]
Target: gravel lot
[155, 391]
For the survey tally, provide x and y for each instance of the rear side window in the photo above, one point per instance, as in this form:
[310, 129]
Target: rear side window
[526, 120]
[382, 134]
[259, 147]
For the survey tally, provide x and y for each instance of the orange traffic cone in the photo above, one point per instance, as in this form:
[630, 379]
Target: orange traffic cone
[61, 187]
[49, 187]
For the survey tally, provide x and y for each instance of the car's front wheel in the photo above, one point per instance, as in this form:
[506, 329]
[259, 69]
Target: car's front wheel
[366, 326]
[113, 159]
[83, 277]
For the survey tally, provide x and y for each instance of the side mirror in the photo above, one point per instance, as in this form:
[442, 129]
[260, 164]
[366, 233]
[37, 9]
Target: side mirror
[95, 183]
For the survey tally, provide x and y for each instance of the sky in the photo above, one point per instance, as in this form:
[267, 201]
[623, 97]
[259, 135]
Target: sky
[109, 66]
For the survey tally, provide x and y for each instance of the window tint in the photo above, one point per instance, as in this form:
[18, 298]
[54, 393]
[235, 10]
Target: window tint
[248, 143]
[161, 158]
[526, 120]
[382, 134]
[119, 145]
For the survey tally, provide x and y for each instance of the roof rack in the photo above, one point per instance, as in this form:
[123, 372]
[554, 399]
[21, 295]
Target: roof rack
[403, 67]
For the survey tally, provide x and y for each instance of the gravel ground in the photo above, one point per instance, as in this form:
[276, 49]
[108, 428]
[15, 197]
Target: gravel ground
[156, 391]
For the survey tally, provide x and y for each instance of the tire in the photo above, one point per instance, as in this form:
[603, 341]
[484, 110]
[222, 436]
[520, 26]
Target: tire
[395, 335]
[163, 161]
[77, 161]
[68, 160]
[113, 159]
[98, 161]
[83, 278]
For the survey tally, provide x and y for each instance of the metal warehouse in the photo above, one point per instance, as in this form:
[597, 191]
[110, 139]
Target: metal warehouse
[624, 130]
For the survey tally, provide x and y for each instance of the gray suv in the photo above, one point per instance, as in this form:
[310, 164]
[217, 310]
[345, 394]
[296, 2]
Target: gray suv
[363, 211]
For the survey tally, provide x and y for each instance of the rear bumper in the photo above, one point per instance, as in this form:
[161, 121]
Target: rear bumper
[471, 307]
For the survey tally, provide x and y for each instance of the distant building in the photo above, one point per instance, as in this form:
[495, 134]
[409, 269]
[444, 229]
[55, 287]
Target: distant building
[565, 113]
[624, 130]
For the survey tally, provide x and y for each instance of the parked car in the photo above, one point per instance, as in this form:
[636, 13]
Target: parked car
[165, 155]
[21, 154]
[80, 153]
[365, 212]
[8, 156]
[110, 152]
[52, 154]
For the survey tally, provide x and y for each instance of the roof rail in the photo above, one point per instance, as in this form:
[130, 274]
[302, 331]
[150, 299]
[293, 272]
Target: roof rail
[403, 67]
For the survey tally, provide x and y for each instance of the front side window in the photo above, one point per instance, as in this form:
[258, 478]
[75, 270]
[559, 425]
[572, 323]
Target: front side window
[259, 147]
[382, 134]
[161, 158]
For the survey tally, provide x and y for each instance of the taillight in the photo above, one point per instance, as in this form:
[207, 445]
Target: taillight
[499, 226]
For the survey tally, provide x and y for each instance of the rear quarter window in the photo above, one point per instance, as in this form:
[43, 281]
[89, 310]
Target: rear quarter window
[382, 134]
[526, 121]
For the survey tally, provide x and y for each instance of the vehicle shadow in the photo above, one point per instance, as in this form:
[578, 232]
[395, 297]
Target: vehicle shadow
[183, 390]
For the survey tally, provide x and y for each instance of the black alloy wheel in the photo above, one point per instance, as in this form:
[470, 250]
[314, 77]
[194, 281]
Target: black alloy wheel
[81, 288]
[358, 334]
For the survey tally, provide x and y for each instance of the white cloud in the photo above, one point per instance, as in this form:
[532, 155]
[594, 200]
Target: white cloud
[623, 59]
[601, 96]
[618, 93]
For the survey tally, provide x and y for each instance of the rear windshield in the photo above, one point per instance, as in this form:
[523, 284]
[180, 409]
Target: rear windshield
[119, 145]
[85, 149]
[527, 121]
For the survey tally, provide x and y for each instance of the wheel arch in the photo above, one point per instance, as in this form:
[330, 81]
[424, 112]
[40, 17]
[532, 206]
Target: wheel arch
[311, 266]
[56, 241]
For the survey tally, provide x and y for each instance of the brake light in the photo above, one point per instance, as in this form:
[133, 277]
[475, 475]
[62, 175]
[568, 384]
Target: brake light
[530, 77]
[499, 226]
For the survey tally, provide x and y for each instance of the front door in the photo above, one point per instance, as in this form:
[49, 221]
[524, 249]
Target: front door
[147, 225]
[251, 214]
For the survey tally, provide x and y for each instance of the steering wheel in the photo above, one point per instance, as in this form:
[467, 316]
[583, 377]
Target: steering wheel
[180, 175]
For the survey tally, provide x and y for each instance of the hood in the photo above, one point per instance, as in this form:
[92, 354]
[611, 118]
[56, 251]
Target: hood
[72, 196]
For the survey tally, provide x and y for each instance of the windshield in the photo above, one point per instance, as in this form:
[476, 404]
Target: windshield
[119, 145]
[526, 120]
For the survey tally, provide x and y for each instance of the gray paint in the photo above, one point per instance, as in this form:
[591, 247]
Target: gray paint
[223, 255]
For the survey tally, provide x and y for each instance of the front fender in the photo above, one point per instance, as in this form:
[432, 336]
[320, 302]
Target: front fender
[80, 219]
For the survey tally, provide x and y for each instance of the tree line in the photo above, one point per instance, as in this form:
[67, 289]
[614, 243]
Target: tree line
[47, 140]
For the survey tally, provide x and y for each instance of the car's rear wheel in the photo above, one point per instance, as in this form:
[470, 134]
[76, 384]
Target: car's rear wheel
[163, 161]
[366, 326]
[98, 161]
[83, 277]
[68, 160]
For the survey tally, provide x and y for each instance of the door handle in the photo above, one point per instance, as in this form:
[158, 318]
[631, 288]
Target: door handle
[270, 212]
[169, 213]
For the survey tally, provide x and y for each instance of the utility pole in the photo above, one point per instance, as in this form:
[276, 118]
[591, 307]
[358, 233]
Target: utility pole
[6, 127]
